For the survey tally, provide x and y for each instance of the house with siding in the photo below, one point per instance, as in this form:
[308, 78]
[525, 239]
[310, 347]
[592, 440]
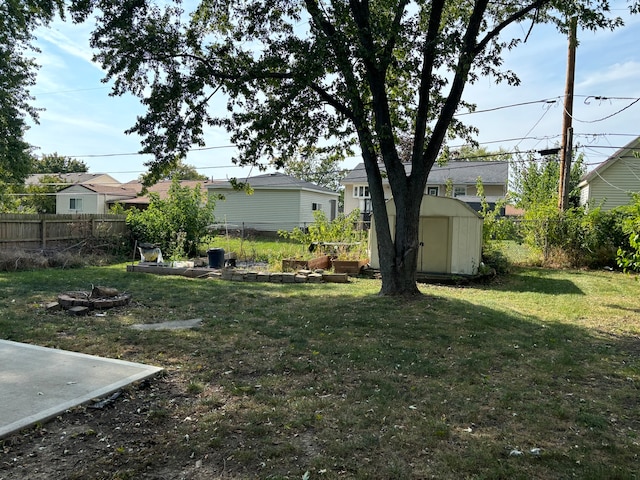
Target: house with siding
[611, 183]
[73, 178]
[457, 179]
[276, 202]
[99, 198]
[94, 198]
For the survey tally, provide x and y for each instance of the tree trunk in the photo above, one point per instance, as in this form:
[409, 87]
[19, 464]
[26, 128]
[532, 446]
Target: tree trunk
[399, 257]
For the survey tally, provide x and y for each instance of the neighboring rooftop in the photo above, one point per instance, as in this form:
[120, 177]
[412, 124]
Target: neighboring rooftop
[81, 177]
[492, 173]
[272, 180]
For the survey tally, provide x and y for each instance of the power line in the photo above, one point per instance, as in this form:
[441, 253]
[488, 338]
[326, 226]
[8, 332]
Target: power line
[102, 155]
[608, 116]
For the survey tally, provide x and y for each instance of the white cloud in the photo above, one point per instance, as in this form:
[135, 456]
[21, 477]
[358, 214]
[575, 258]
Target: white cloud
[612, 74]
[77, 47]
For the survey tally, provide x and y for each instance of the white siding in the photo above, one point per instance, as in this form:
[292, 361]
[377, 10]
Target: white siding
[466, 248]
[267, 210]
[308, 198]
[611, 188]
[350, 203]
[91, 201]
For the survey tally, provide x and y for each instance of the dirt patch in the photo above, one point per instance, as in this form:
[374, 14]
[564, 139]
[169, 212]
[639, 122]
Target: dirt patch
[138, 435]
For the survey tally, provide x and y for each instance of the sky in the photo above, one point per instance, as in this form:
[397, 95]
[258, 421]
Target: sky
[79, 118]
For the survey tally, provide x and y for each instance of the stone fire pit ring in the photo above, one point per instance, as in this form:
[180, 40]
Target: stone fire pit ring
[69, 300]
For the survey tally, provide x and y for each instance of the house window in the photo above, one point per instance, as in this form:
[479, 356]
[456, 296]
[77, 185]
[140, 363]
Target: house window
[316, 206]
[459, 191]
[432, 191]
[361, 191]
[75, 204]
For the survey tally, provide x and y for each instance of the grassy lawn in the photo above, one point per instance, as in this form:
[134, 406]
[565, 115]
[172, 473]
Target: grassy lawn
[257, 248]
[335, 381]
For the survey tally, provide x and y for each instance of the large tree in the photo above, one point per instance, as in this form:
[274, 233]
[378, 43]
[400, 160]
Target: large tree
[18, 20]
[316, 165]
[54, 163]
[313, 72]
[534, 180]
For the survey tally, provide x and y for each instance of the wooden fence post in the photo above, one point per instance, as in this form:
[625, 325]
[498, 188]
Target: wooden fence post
[43, 226]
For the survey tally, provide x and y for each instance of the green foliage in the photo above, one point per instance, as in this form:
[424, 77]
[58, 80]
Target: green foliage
[628, 256]
[576, 237]
[183, 171]
[117, 209]
[494, 226]
[54, 163]
[41, 198]
[535, 181]
[18, 20]
[309, 73]
[343, 229]
[176, 223]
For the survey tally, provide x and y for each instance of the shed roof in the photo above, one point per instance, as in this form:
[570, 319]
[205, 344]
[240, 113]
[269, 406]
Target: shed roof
[107, 189]
[433, 206]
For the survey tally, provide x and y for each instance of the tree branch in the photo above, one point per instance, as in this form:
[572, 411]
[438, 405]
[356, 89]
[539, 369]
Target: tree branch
[333, 101]
[424, 92]
[467, 55]
[508, 21]
[387, 51]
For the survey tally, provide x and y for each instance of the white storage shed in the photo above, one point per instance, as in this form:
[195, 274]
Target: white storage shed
[450, 236]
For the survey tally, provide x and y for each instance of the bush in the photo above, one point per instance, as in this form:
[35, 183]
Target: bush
[628, 255]
[176, 223]
[343, 229]
[574, 238]
[494, 259]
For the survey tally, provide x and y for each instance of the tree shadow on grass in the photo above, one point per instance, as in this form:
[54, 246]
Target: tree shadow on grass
[365, 379]
[540, 283]
[338, 380]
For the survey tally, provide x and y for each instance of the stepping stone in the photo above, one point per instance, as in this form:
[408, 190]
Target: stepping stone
[174, 325]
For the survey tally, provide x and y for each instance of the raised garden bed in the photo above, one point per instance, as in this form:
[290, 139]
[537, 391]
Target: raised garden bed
[322, 262]
[352, 267]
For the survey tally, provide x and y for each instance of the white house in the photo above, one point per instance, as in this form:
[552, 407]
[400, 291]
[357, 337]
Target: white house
[99, 198]
[277, 202]
[611, 183]
[460, 177]
[92, 198]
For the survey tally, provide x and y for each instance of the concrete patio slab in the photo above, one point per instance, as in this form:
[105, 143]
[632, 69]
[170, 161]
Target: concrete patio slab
[38, 383]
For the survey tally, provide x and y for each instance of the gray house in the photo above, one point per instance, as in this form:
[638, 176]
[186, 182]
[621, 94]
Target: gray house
[277, 202]
[611, 183]
[460, 177]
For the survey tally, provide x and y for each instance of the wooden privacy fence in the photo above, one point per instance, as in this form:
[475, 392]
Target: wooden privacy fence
[50, 231]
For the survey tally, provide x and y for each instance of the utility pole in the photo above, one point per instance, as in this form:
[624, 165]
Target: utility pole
[567, 129]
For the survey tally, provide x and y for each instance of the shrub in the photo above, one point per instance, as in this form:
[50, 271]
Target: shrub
[343, 229]
[176, 223]
[628, 255]
[574, 238]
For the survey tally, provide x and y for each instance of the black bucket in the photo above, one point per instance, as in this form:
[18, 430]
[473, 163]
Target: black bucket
[216, 257]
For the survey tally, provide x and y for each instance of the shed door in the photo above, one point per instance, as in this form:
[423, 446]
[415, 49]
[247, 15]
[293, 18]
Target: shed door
[435, 241]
